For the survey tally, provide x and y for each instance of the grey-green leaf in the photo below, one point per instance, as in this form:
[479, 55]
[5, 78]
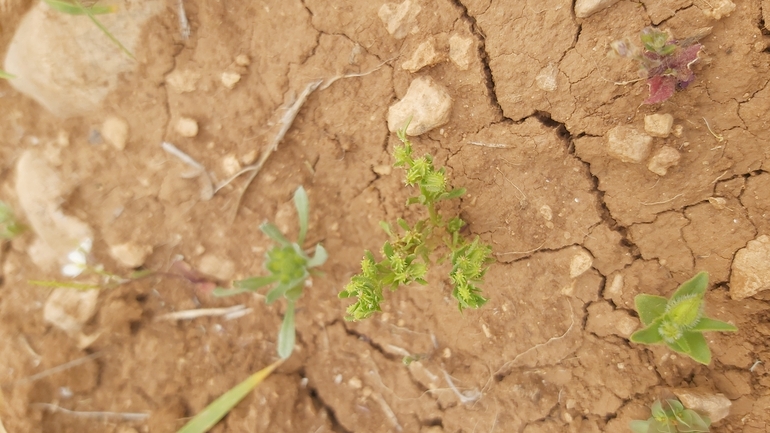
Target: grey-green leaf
[272, 231]
[286, 335]
[301, 203]
[319, 258]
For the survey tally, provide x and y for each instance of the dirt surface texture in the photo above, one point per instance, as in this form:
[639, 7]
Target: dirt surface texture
[587, 196]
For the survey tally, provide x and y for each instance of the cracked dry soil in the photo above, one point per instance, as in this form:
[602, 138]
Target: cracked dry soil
[548, 353]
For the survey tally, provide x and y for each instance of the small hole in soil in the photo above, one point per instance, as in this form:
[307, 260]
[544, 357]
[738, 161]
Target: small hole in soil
[135, 326]
[434, 422]
[141, 298]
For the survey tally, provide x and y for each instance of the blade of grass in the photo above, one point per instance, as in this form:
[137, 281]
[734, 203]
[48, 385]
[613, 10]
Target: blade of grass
[106, 32]
[70, 8]
[220, 407]
[6, 75]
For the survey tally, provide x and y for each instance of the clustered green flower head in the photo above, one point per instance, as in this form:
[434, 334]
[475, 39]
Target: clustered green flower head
[657, 41]
[406, 256]
[679, 322]
[672, 418]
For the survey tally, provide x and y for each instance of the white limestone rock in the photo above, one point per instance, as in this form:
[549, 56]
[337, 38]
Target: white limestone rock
[400, 19]
[130, 254]
[426, 102]
[751, 269]
[425, 55]
[658, 125]
[586, 8]
[715, 406]
[460, 51]
[665, 158]
[186, 127]
[627, 144]
[115, 132]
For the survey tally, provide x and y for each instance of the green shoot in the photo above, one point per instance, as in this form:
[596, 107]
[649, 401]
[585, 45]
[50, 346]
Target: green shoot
[675, 418]
[75, 7]
[10, 227]
[407, 255]
[288, 267]
[220, 407]
[6, 75]
[679, 322]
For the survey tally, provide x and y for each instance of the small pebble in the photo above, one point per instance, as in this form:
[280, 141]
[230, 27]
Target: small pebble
[115, 132]
[242, 60]
[187, 127]
[230, 79]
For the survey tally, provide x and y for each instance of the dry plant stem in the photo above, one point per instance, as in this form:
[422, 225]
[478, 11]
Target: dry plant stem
[58, 369]
[184, 24]
[465, 397]
[114, 416]
[200, 170]
[662, 202]
[200, 312]
[388, 412]
[492, 145]
[521, 252]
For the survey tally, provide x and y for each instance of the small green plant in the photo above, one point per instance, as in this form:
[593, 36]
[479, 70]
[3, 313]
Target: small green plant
[671, 419]
[6, 75]
[407, 255]
[289, 267]
[10, 227]
[76, 7]
[679, 322]
[663, 61]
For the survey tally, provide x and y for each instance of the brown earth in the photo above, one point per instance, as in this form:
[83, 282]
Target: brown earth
[548, 353]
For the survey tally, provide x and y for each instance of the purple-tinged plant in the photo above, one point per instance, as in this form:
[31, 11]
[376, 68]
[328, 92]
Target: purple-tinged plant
[664, 62]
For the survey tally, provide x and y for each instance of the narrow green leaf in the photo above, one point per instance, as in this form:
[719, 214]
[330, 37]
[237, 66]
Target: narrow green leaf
[255, 283]
[301, 203]
[276, 293]
[650, 307]
[286, 335]
[6, 75]
[638, 426]
[71, 8]
[272, 231]
[457, 192]
[105, 31]
[403, 224]
[220, 407]
[708, 324]
[319, 258]
[694, 286]
[386, 228]
[221, 292]
[648, 335]
[697, 347]
[65, 284]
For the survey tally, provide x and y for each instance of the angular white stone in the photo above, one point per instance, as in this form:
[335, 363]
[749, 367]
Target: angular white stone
[424, 55]
[665, 158]
[751, 269]
[400, 19]
[715, 406]
[627, 144]
[460, 51]
[658, 125]
[586, 8]
[115, 132]
[426, 102]
[546, 78]
[581, 262]
[130, 254]
[230, 79]
[69, 309]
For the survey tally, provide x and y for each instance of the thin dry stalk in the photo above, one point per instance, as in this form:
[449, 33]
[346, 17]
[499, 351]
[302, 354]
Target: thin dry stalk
[201, 312]
[103, 415]
[58, 369]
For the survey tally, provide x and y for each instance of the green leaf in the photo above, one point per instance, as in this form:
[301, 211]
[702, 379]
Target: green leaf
[286, 335]
[386, 228]
[638, 426]
[457, 192]
[255, 283]
[708, 324]
[650, 307]
[70, 8]
[276, 293]
[695, 286]
[319, 258]
[301, 203]
[65, 284]
[648, 335]
[217, 409]
[221, 292]
[697, 347]
[272, 231]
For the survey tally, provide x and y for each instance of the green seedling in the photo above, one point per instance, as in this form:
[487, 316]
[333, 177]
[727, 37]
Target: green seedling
[663, 61]
[10, 227]
[6, 75]
[679, 322]
[220, 407]
[671, 419]
[76, 7]
[289, 267]
[406, 256]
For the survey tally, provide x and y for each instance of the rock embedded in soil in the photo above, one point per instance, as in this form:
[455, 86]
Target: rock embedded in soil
[186, 127]
[751, 269]
[460, 51]
[400, 19]
[230, 79]
[658, 125]
[70, 309]
[426, 102]
[627, 144]
[182, 81]
[665, 158]
[580, 263]
[425, 55]
[715, 406]
[66, 63]
[115, 131]
[603, 321]
[719, 9]
[221, 268]
[130, 254]
[586, 8]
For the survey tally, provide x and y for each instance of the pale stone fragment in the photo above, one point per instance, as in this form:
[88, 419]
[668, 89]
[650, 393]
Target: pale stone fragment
[230, 79]
[187, 127]
[221, 268]
[586, 8]
[242, 60]
[751, 269]
[424, 55]
[658, 125]
[627, 144]
[715, 406]
[460, 51]
[115, 132]
[581, 262]
[719, 9]
[182, 81]
[426, 103]
[400, 19]
[130, 254]
[546, 78]
[69, 309]
[665, 158]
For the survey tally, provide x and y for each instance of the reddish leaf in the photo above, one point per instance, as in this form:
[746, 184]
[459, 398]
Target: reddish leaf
[661, 88]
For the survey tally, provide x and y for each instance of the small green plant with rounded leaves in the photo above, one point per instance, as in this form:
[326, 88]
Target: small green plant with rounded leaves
[289, 267]
[679, 322]
[10, 227]
[671, 417]
[406, 256]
